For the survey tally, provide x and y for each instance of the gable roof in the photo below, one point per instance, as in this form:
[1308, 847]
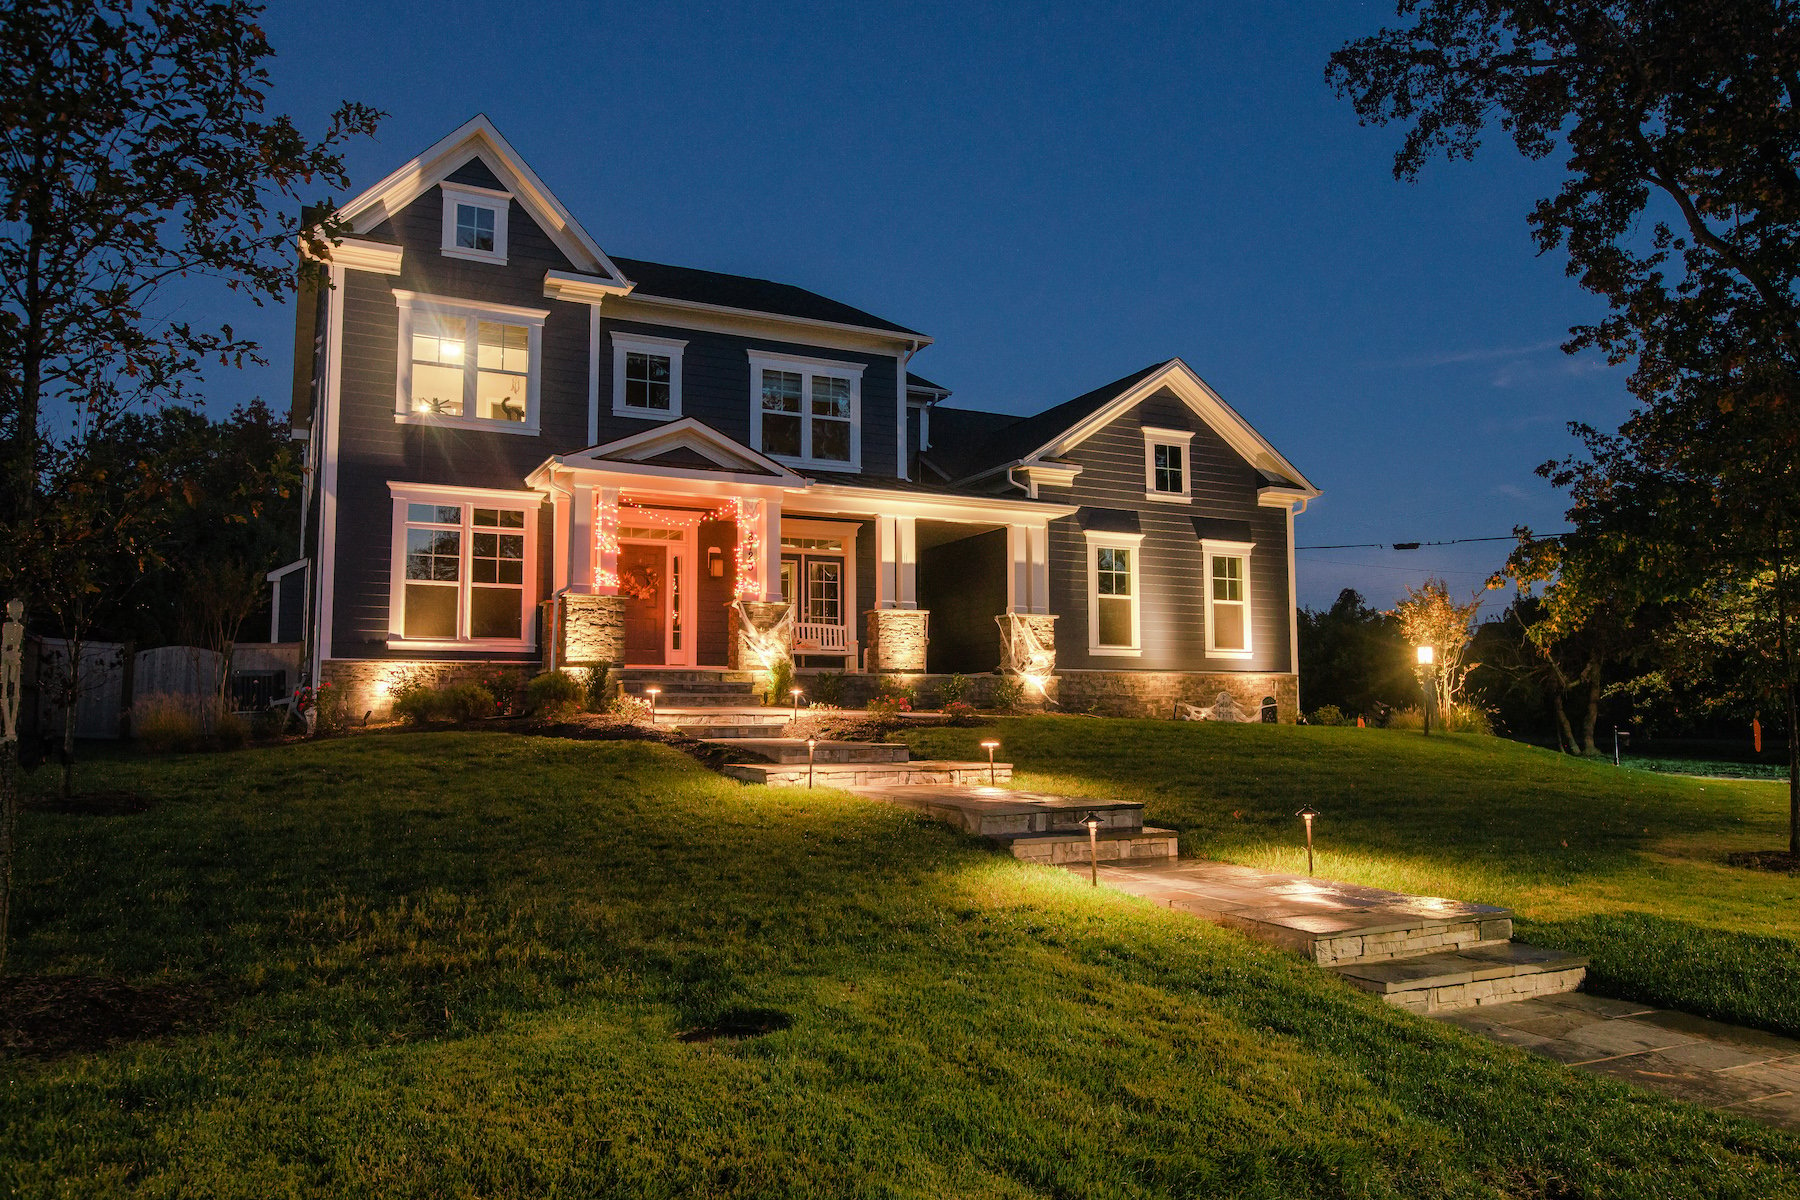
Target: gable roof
[1057, 430]
[747, 293]
[477, 138]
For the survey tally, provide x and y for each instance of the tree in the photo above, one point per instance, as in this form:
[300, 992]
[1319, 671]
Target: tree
[1352, 657]
[1429, 617]
[1680, 204]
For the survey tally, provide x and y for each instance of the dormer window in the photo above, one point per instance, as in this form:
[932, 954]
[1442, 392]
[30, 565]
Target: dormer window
[1168, 473]
[646, 376]
[475, 223]
[805, 411]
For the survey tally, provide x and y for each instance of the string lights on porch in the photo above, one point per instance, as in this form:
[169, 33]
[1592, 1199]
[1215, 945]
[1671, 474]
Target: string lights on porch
[743, 513]
[606, 543]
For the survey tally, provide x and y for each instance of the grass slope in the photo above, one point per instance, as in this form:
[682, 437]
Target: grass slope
[1625, 866]
[456, 965]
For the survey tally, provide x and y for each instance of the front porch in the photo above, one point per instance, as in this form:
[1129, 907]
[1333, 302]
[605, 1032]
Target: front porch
[681, 549]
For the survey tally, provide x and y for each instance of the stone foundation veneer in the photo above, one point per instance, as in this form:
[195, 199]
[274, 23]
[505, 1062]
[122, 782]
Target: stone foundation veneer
[1156, 693]
[897, 638]
[588, 630]
[365, 683]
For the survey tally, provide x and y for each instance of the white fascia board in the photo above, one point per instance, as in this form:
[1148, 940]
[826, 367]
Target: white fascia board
[278, 572]
[1275, 496]
[772, 325]
[582, 289]
[360, 254]
[478, 137]
[1054, 474]
[1207, 404]
[965, 510]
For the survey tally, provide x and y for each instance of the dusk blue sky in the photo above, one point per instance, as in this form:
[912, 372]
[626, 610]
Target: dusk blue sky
[1059, 196]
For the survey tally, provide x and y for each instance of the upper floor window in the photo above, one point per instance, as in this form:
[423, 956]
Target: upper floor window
[1227, 569]
[1167, 471]
[1113, 593]
[646, 376]
[462, 569]
[475, 222]
[466, 364]
[806, 411]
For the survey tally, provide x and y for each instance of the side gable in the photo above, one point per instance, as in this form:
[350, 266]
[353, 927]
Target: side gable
[476, 155]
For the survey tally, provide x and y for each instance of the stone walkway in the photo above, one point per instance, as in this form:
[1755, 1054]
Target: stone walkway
[1741, 1071]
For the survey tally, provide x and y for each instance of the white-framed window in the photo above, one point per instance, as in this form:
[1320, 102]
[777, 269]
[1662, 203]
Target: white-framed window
[1168, 465]
[464, 567]
[1227, 571]
[475, 222]
[646, 376]
[1114, 591]
[471, 365]
[806, 411]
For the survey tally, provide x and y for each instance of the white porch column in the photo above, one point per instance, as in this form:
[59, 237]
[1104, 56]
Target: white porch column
[908, 538]
[581, 541]
[1038, 541]
[1018, 569]
[897, 572]
[559, 540]
[769, 567]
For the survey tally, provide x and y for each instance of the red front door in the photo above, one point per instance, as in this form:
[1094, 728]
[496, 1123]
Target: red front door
[643, 580]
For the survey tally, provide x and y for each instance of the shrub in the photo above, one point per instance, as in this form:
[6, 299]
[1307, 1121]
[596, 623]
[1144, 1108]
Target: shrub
[781, 681]
[230, 731]
[888, 706]
[960, 712]
[894, 688]
[817, 721]
[415, 703]
[1329, 714]
[165, 724]
[828, 689]
[467, 701]
[505, 690]
[555, 695]
[629, 708]
[597, 681]
[269, 723]
[954, 690]
[1009, 694]
[1462, 719]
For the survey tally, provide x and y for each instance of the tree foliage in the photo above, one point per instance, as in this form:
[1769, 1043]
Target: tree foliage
[1427, 616]
[1353, 658]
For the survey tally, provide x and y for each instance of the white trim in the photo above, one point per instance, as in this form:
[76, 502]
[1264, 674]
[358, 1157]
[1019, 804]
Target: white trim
[808, 369]
[642, 343]
[278, 572]
[1210, 549]
[1049, 474]
[1293, 613]
[477, 138]
[903, 451]
[325, 578]
[581, 289]
[845, 532]
[1098, 539]
[485, 199]
[402, 494]
[358, 254]
[593, 430]
[472, 313]
[630, 451]
[733, 320]
[1178, 439]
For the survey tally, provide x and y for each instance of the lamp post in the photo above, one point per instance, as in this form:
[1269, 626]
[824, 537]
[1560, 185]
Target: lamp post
[991, 746]
[795, 694]
[653, 693]
[1619, 735]
[812, 744]
[1307, 814]
[1092, 821]
[1428, 680]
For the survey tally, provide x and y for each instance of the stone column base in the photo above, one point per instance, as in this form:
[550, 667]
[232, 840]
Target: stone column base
[897, 638]
[1027, 644]
[762, 634]
[588, 630]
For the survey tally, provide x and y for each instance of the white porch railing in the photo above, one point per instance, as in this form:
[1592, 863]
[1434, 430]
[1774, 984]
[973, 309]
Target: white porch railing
[821, 639]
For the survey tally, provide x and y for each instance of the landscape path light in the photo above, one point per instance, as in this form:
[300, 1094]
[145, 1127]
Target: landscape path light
[812, 744]
[990, 746]
[1307, 815]
[1428, 680]
[653, 693]
[1093, 823]
[795, 693]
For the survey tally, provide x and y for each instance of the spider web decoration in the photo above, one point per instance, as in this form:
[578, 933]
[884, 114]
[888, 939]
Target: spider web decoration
[768, 646]
[1026, 654]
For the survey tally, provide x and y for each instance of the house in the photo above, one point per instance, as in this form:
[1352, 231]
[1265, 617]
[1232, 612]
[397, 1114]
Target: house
[525, 453]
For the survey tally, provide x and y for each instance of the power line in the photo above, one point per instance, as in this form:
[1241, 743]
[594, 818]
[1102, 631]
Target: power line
[1416, 545]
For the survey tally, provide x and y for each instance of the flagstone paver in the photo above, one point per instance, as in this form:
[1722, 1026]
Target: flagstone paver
[1742, 1071]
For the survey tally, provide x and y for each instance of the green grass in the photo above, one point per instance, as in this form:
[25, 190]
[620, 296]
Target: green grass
[1625, 866]
[456, 964]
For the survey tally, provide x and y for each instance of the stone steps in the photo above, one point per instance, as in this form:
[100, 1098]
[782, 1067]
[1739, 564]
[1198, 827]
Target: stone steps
[1142, 844]
[868, 774]
[793, 750]
[1036, 826]
[1490, 973]
[691, 689]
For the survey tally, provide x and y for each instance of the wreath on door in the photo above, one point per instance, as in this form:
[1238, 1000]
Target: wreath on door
[640, 583]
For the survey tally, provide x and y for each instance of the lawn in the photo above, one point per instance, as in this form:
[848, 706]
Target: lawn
[458, 964]
[1627, 866]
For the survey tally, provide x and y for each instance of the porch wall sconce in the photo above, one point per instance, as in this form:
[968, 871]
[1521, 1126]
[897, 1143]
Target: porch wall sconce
[715, 562]
[990, 747]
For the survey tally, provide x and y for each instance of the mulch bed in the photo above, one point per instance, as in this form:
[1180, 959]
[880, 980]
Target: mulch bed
[1782, 861]
[47, 1016]
[94, 804]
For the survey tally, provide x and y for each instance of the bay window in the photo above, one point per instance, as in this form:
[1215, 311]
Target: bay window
[463, 566]
[806, 411]
[470, 365]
